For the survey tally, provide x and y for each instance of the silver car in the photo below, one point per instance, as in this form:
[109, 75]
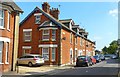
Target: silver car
[30, 60]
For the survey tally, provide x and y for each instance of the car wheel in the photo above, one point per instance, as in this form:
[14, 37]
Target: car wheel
[88, 64]
[29, 64]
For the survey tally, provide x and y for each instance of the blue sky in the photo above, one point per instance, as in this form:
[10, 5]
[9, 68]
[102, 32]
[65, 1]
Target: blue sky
[98, 18]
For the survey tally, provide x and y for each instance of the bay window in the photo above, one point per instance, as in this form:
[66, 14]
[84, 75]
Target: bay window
[45, 35]
[45, 53]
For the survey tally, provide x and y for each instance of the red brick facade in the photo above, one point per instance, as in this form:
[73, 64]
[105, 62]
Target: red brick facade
[43, 33]
[7, 29]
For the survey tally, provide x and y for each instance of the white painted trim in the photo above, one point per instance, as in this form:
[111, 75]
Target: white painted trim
[75, 48]
[1, 63]
[4, 39]
[36, 14]
[25, 30]
[47, 28]
[43, 23]
[48, 45]
[26, 47]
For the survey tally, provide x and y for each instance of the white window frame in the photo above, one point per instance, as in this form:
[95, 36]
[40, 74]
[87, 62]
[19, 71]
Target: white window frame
[8, 24]
[43, 34]
[7, 53]
[37, 19]
[54, 39]
[27, 35]
[45, 53]
[53, 53]
[1, 51]
[2, 18]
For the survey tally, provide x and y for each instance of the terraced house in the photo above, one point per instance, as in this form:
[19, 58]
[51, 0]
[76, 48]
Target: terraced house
[9, 27]
[58, 41]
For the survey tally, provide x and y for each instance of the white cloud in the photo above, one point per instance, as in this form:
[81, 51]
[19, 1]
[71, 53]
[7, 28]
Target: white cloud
[114, 13]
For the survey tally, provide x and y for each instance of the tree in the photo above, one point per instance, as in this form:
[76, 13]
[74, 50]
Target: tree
[113, 46]
[104, 50]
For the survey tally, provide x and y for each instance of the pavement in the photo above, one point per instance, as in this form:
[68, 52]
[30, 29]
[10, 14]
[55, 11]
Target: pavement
[42, 70]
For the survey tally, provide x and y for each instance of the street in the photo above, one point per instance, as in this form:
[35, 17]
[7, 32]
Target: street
[107, 68]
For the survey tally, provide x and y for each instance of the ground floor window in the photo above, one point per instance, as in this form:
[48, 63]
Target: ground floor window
[1, 49]
[45, 53]
[26, 51]
[53, 54]
[7, 50]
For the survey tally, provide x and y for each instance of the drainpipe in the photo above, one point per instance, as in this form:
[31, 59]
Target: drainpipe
[59, 48]
[13, 44]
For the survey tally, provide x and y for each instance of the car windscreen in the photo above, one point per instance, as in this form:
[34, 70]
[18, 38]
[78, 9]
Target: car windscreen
[81, 57]
[38, 57]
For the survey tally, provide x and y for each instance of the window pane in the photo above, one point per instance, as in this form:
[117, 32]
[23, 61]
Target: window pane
[1, 49]
[46, 32]
[53, 34]
[45, 53]
[37, 19]
[7, 50]
[53, 54]
[27, 36]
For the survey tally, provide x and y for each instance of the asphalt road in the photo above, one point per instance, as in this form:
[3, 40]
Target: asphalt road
[107, 68]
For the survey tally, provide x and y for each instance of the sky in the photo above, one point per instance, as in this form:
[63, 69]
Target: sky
[99, 19]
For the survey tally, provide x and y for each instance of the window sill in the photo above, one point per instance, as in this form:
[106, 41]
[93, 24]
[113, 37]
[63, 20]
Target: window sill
[1, 63]
[45, 40]
[2, 28]
[53, 40]
[6, 63]
[27, 41]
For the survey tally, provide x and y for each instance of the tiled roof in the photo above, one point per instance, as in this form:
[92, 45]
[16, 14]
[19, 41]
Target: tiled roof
[13, 6]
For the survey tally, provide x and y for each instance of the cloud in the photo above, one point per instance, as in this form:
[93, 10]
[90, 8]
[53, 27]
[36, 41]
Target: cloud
[114, 13]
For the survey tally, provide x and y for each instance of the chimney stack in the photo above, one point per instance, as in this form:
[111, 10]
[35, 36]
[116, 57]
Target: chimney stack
[46, 7]
[55, 12]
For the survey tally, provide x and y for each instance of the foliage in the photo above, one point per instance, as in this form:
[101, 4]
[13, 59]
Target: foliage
[113, 46]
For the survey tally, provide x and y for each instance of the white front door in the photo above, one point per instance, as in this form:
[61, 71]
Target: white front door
[71, 56]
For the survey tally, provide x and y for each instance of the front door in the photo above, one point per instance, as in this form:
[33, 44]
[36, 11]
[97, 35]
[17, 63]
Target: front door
[71, 56]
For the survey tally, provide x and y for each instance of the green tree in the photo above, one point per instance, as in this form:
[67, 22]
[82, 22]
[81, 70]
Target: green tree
[111, 49]
[104, 50]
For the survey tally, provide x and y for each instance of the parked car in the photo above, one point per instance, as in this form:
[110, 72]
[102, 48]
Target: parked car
[107, 56]
[30, 60]
[102, 57]
[97, 57]
[114, 57]
[111, 56]
[93, 60]
[83, 61]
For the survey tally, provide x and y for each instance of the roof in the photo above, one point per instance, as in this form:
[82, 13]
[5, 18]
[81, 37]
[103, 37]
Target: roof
[65, 20]
[58, 22]
[13, 6]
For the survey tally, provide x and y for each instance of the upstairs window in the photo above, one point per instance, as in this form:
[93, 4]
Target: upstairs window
[1, 18]
[37, 19]
[45, 35]
[53, 35]
[27, 35]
